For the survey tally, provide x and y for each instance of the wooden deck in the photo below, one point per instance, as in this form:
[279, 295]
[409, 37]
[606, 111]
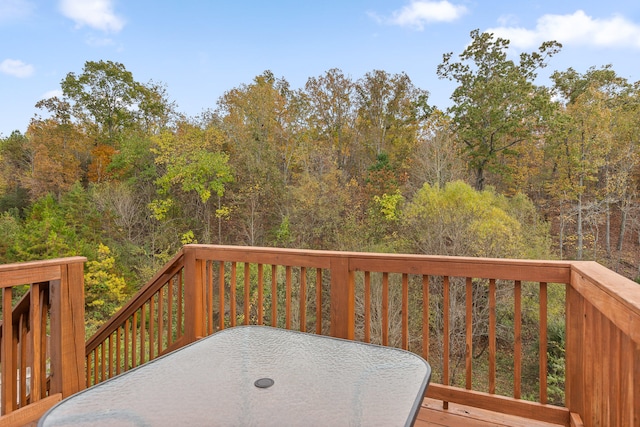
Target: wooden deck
[432, 414]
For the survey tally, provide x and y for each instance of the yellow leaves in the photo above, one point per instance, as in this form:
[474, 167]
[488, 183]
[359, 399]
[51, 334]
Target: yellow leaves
[223, 212]
[389, 205]
[101, 282]
[160, 207]
[188, 238]
[457, 220]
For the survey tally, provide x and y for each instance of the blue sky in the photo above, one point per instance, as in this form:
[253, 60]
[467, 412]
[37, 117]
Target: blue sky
[202, 48]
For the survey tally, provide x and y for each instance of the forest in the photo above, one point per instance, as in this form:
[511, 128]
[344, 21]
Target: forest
[113, 171]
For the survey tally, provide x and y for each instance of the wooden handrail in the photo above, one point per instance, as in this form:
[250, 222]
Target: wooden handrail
[615, 296]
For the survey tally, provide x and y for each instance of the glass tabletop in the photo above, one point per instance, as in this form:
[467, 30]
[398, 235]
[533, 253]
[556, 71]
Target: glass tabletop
[258, 375]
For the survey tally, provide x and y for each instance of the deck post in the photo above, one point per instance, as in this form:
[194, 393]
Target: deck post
[574, 351]
[193, 295]
[67, 330]
[342, 299]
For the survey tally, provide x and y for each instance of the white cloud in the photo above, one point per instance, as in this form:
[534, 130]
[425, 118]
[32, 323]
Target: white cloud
[16, 68]
[421, 12]
[97, 14]
[52, 93]
[99, 41]
[15, 9]
[575, 29]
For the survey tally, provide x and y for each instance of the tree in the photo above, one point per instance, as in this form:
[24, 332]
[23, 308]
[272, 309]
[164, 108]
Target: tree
[388, 109]
[105, 95]
[260, 138]
[496, 104]
[457, 220]
[331, 116]
[436, 159]
[16, 159]
[582, 144]
[58, 150]
[193, 162]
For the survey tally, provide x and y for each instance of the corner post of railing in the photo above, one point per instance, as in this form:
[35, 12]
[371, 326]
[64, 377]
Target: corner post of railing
[342, 299]
[574, 350]
[67, 329]
[193, 295]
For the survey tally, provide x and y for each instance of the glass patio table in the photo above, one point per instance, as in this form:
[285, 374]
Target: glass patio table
[257, 375]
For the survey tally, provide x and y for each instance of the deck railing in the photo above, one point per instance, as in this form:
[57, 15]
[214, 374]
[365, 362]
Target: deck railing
[488, 327]
[41, 336]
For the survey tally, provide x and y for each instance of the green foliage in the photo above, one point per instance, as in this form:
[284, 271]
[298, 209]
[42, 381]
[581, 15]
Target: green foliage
[45, 233]
[9, 232]
[496, 105]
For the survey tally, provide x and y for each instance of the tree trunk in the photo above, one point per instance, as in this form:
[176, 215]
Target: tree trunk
[579, 232]
[479, 178]
[623, 225]
[607, 236]
[561, 236]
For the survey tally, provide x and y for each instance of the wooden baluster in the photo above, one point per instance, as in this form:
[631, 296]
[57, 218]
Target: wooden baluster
[247, 292]
[425, 317]
[385, 308]
[405, 311]
[89, 369]
[221, 306]
[180, 320]
[492, 336]
[517, 337]
[118, 350]
[161, 319]
[170, 310]
[36, 341]
[127, 326]
[367, 306]
[303, 299]
[209, 293]
[152, 329]
[318, 301]
[103, 361]
[445, 344]
[96, 365]
[468, 332]
[543, 343]
[134, 340]
[260, 294]
[274, 296]
[288, 297]
[143, 333]
[44, 344]
[232, 293]
[110, 371]
[22, 360]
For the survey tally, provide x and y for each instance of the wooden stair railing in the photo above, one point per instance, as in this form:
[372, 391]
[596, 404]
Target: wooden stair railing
[42, 339]
[149, 325]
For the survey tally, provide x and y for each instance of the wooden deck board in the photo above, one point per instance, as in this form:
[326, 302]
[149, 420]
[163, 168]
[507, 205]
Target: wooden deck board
[431, 414]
